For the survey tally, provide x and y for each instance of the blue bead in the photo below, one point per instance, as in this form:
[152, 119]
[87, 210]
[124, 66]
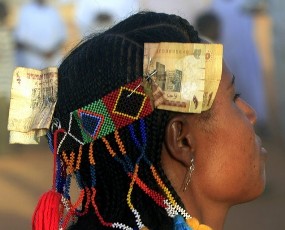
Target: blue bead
[78, 179]
[180, 224]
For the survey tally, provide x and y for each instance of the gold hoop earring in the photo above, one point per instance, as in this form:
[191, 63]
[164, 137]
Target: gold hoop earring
[188, 175]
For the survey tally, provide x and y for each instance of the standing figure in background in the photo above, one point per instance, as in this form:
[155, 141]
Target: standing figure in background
[209, 26]
[6, 54]
[275, 8]
[96, 16]
[189, 9]
[241, 54]
[6, 71]
[39, 35]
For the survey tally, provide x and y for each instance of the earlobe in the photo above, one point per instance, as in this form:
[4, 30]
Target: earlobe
[179, 141]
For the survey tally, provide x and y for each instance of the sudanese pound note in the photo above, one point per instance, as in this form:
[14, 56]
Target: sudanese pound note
[187, 75]
[33, 99]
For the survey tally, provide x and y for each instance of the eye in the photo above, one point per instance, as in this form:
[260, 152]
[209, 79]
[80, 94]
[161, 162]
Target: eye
[237, 95]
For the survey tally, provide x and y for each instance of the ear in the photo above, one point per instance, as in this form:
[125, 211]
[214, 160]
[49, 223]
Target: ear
[179, 141]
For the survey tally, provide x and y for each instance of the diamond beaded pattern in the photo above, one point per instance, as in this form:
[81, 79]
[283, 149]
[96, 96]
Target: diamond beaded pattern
[103, 116]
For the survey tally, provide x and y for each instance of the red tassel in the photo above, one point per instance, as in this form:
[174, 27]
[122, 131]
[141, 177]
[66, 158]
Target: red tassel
[46, 215]
[47, 212]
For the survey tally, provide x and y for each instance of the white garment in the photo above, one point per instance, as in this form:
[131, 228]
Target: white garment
[87, 10]
[275, 9]
[40, 27]
[240, 53]
[7, 63]
[188, 9]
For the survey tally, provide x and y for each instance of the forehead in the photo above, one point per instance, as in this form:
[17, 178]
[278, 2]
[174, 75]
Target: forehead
[226, 79]
[226, 85]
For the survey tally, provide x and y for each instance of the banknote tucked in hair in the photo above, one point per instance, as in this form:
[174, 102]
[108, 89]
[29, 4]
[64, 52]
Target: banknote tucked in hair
[185, 76]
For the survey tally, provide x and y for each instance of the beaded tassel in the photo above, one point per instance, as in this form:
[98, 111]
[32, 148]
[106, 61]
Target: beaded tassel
[128, 168]
[85, 191]
[93, 185]
[72, 168]
[129, 202]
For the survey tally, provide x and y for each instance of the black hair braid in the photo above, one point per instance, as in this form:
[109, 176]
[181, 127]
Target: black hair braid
[110, 174]
[111, 202]
[157, 161]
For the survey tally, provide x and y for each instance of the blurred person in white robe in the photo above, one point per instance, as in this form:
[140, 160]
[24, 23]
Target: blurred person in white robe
[7, 65]
[188, 9]
[241, 55]
[275, 10]
[7, 62]
[98, 15]
[39, 35]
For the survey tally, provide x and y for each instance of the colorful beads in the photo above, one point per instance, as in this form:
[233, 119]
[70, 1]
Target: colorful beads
[156, 197]
[163, 187]
[106, 115]
[108, 146]
[119, 142]
[121, 226]
[94, 121]
[87, 114]
[78, 161]
[129, 201]
[144, 228]
[86, 206]
[131, 187]
[91, 158]
[195, 225]
[180, 224]
[101, 219]
[69, 162]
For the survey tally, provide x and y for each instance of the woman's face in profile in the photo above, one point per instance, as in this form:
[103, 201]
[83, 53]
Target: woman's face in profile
[230, 160]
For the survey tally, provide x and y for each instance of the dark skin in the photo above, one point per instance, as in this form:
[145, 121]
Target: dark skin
[228, 156]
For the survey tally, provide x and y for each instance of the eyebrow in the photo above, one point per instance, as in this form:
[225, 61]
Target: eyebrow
[233, 80]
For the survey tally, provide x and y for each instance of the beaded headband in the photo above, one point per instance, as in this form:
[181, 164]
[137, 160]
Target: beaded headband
[102, 117]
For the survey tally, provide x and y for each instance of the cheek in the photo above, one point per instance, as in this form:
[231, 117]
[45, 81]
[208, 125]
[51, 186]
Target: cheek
[231, 167]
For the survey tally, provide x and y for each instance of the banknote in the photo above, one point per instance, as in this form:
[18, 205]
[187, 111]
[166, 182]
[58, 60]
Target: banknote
[187, 75]
[33, 98]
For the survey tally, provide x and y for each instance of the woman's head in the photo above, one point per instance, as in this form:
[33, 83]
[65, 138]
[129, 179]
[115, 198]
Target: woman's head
[97, 67]
[130, 163]
[229, 157]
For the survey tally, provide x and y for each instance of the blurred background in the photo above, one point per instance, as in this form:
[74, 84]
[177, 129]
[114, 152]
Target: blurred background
[40, 33]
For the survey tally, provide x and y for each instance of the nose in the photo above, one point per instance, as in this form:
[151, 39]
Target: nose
[249, 111]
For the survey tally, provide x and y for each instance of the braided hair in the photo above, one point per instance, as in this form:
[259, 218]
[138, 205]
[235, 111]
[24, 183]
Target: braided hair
[99, 65]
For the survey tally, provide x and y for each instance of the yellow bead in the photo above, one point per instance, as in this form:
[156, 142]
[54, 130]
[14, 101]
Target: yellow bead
[144, 228]
[204, 227]
[193, 223]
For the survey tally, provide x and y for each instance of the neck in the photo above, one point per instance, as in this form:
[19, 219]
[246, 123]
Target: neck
[210, 213]
[198, 203]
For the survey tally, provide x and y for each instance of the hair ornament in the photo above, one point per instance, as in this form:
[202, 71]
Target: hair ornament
[33, 95]
[187, 75]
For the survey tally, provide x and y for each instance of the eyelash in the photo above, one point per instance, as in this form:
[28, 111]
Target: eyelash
[237, 95]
